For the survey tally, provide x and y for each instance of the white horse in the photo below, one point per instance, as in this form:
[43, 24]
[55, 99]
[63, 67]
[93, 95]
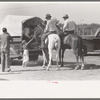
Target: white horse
[53, 43]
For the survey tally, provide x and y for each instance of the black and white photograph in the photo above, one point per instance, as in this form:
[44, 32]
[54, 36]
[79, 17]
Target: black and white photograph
[51, 42]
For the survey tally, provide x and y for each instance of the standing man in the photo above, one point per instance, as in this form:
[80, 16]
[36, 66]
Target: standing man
[49, 29]
[5, 51]
[69, 27]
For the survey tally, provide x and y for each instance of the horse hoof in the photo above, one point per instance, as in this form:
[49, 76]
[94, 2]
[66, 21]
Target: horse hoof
[43, 66]
[76, 68]
[48, 68]
[82, 67]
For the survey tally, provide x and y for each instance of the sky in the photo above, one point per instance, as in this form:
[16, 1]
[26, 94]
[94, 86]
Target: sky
[80, 12]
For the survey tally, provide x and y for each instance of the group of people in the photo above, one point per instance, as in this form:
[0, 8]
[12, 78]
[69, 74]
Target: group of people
[51, 27]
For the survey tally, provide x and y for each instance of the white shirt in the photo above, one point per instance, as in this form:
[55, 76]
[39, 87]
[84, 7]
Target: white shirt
[69, 25]
[51, 25]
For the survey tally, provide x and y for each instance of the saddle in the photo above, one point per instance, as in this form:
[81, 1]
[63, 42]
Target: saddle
[66, 39]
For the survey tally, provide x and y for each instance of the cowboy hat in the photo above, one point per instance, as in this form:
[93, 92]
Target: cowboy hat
[47, 15]
[65, 16]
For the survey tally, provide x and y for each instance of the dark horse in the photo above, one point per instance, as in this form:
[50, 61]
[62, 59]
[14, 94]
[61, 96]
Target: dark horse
[75, 43]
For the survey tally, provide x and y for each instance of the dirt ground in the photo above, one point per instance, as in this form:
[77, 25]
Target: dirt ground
[34, 70]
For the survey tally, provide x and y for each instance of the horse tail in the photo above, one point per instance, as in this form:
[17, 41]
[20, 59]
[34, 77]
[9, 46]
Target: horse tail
[80, 43]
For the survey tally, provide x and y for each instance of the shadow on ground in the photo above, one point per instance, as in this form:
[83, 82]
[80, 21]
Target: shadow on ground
[91, 66]
[68, 65]
[28, 70]
[16, 62]
[30, 64]
[71, 65]
[8, 73]
[92, 55]
[1, 79]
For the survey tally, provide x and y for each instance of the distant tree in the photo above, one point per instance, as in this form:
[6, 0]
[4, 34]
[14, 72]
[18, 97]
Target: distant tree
[88, 29]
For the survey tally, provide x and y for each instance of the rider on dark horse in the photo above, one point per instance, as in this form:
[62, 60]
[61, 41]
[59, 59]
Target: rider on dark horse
[49, 29]
[68, 28]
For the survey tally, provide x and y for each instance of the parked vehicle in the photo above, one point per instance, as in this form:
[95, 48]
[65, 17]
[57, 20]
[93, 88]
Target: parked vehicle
[91, 42]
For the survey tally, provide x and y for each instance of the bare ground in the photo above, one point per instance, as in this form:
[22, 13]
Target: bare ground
[34, 70]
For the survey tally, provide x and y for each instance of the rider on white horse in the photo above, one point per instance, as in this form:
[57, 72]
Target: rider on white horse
[49, 29]
[69, 27]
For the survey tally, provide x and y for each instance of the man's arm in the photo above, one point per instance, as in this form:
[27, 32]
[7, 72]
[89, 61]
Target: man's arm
[46, 28]
[65, 27]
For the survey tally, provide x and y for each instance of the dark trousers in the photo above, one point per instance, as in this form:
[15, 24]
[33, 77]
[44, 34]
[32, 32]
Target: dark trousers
[5, 61]
[44, 36]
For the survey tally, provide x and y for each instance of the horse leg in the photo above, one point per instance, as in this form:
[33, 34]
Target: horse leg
[44, 58]
[80, 43]
[77, 60]
[46, 55]
[57, 56]
[77, 66]
[62, 57]
[50, 58]
[82, 58]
